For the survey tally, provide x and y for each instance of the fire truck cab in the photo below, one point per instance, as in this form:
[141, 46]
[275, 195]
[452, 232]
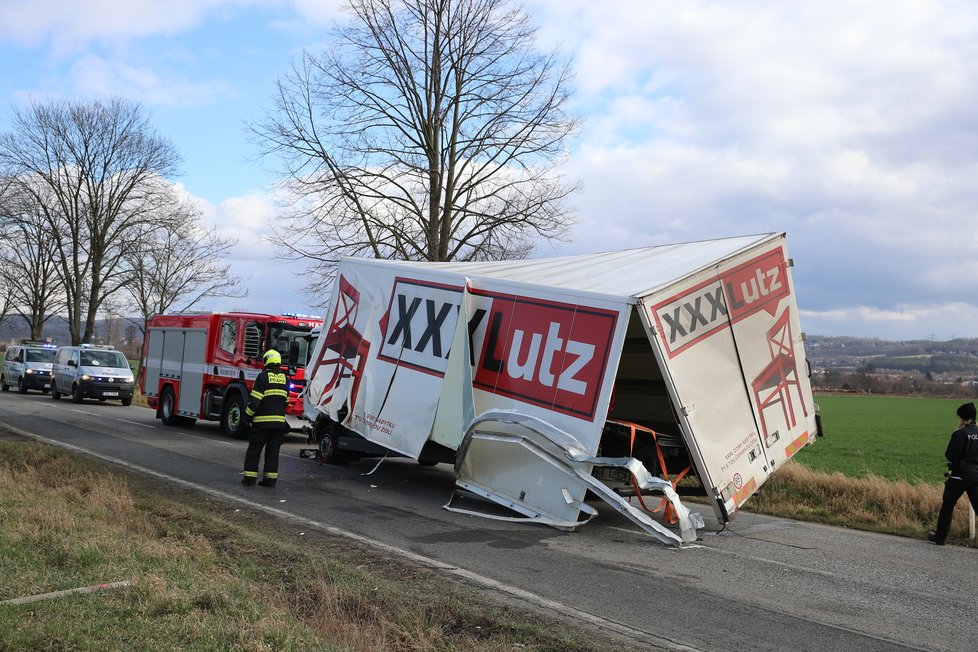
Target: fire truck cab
[202, 365]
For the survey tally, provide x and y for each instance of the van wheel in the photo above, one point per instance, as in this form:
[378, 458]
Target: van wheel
[232, 418]
[21, 386]
[127, 401]
[3, 384]
[76, 394]
[55, 394]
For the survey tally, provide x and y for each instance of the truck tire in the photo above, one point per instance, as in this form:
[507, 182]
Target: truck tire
[3, 384]
[168, 409]
[327, 438]
[232, 417]
[168, 406]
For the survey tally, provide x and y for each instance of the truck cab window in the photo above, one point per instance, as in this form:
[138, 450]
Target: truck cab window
[229, 336]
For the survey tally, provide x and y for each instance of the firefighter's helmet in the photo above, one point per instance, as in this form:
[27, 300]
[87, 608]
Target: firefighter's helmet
[272, 357]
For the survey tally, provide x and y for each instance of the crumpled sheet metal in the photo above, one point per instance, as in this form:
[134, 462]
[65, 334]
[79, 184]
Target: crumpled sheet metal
[535, 469]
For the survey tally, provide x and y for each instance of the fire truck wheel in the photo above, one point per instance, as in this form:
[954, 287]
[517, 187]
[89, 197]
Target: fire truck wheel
[232, 419]
[168, 405]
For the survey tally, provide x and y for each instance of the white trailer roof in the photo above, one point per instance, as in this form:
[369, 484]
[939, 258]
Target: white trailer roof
[631, 273]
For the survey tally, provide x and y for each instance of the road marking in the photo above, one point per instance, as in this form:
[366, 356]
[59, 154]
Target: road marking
[469, 576]
[210, 439]
[765, 560]
[91, 414]
[136, 423]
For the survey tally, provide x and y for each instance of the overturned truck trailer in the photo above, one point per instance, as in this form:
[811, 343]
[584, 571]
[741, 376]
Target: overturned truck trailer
[616, 373]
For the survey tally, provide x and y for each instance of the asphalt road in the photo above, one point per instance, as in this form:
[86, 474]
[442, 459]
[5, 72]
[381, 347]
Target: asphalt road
[760, 584]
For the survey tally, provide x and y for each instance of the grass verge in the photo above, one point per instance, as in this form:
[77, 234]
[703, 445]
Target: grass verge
[209, 576]
[866, 503]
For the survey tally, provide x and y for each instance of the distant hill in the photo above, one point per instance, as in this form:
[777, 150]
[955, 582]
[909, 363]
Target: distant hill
[955, 359]
[13, 329]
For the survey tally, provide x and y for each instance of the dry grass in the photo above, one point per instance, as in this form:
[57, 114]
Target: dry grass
[209, 576]
[869, 503]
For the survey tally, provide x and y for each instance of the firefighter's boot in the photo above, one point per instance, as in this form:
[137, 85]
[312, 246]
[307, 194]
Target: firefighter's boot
[267, 482]
[249, 478]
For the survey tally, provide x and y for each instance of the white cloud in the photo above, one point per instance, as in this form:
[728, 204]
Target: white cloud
[851, 127]
[71, 26]
[900, 322]
[92, 75]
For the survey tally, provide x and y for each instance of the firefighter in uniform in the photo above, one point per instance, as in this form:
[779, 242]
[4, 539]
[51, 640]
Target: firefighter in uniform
[962, 476]
[266, 414]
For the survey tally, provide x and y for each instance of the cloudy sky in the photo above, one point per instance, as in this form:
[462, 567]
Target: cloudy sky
[852, 126]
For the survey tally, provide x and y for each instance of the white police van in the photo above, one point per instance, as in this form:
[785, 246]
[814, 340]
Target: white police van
[92, 371]
[28, 366]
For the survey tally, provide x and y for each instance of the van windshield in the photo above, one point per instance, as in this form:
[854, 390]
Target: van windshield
[40, 355]
[103, 359]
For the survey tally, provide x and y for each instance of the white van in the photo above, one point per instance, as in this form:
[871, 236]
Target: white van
[28, 366]
[90, 371]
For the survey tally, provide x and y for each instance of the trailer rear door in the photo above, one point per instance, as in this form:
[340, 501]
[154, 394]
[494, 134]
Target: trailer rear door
[729, 345]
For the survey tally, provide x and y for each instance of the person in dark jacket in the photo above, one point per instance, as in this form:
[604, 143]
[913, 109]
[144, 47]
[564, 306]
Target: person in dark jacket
[962, 460]
[266, 414]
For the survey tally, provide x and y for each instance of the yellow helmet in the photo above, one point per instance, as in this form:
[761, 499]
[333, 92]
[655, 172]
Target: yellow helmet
[272, 357]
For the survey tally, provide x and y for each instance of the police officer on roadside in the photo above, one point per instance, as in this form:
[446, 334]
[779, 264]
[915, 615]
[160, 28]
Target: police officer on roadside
[266, 415]
[962, 460]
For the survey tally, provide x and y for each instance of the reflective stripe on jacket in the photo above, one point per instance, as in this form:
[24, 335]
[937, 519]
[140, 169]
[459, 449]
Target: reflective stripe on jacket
[269, 398]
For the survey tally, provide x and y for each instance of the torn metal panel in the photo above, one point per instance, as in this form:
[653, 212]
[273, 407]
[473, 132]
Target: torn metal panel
[543, 473]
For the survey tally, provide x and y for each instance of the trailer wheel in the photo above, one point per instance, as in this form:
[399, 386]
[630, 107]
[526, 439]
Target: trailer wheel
[328, 448]
[327, 438]
[232, 418]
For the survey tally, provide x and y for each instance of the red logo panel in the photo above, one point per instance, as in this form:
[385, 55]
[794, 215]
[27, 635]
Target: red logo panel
[541, 352]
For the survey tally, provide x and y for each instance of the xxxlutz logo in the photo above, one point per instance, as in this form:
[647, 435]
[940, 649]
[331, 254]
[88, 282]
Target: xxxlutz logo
[542, 352]
[687, 318]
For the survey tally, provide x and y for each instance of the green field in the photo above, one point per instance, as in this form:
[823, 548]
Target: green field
[893, 437]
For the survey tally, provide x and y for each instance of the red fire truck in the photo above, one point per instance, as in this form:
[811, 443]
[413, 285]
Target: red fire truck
[202, 365]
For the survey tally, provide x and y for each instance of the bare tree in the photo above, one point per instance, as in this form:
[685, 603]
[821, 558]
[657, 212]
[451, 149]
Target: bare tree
[96, 173]
[6, 295]
[27, 262]
[178, 265]
[429, 130]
